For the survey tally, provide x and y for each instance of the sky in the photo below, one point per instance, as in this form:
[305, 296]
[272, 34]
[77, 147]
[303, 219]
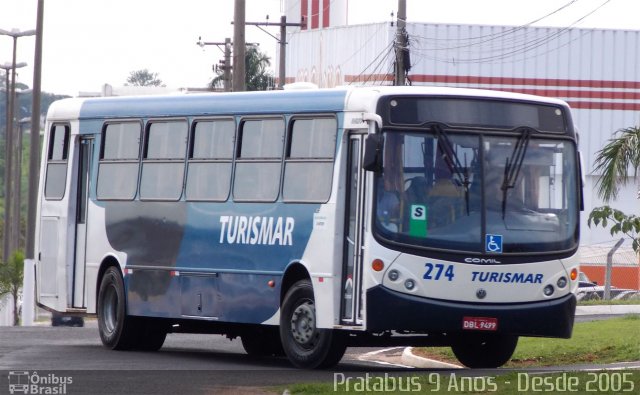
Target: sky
[88, 43]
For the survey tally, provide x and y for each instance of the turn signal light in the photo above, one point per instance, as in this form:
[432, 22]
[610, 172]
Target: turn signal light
[377, 265]
[574, 274]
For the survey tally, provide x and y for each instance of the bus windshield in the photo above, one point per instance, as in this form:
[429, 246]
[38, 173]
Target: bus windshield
[482, 193]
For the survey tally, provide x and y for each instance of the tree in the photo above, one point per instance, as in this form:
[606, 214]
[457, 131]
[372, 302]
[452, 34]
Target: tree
[258, 77]
[11, 277]
[613, 162]
[143, 78]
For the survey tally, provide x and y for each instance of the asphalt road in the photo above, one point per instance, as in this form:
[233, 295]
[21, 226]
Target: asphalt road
[65, 360]
[186, 364]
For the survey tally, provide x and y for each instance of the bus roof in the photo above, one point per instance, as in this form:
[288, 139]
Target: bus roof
[269, 102]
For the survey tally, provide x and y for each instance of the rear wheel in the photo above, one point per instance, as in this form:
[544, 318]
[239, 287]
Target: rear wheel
[262, 342]
[490, 351]
[119, 331]
[305, 345]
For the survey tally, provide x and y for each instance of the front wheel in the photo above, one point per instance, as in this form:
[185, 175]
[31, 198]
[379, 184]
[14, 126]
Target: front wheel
[305, 345]
[118, 330]
[262, 342]
[489, 351]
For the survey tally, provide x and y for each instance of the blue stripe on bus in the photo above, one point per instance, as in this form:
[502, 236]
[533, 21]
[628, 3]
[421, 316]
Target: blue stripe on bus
[227, 274]
[280, 102]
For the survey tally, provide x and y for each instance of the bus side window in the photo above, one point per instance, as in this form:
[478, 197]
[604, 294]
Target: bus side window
[308, 169]
[57, 154]
[119, 161]
[259, 158]
[163, 161]
[210, 160]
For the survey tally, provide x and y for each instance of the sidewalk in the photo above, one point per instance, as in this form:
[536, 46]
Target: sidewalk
[618, 309]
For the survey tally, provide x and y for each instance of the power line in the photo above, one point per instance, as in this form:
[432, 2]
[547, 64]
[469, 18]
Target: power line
[494, 36]
[386, 51]
[501, 54]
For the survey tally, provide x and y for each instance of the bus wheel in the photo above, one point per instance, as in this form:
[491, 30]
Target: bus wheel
[262, 342]
[151, 335]
[117, 331]
[485, 352]
[305, 345]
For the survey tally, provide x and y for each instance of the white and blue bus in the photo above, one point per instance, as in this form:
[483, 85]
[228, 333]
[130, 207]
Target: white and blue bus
[304, 221]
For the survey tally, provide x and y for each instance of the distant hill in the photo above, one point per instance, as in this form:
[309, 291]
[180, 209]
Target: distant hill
[23, 110]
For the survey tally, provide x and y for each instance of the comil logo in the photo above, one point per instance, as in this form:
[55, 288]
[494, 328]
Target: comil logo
[23, 382]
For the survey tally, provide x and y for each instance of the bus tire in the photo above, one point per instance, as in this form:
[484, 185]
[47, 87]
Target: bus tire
[491, 351]
[263, 342]
[305, 345]
[117, 330]
[151, 335]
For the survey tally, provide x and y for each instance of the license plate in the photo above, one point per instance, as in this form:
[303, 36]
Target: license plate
[479, 323]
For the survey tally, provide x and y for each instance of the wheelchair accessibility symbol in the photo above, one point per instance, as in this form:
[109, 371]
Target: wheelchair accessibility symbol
[493, 243]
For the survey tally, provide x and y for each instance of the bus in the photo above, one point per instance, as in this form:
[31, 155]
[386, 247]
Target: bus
[304, 221]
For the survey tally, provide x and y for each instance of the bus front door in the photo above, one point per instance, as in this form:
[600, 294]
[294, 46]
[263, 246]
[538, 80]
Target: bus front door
[52, 242]
[77, 283]
[351, 309]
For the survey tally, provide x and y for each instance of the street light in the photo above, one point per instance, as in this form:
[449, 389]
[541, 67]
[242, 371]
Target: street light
[14, 34]
[17, 177]
[8, 141]
[6, 67]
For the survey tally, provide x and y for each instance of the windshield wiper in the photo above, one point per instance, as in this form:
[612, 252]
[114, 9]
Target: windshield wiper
[451, 159]
[513, 164]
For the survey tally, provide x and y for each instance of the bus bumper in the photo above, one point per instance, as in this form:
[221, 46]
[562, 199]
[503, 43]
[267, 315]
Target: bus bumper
[391, 310]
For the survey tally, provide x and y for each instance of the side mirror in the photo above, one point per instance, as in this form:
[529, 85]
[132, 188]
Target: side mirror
[373, 149]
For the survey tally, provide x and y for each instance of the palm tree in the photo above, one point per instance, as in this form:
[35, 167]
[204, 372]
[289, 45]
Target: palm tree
[258, 77]
[613, 162]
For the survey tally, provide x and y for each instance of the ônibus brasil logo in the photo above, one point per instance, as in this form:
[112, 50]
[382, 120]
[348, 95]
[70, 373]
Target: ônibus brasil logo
[24, 382]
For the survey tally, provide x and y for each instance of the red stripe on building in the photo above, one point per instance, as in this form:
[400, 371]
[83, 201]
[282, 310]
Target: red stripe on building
[593, 99]
[576, 94]
[368, 78]
[304, 13]
[594, 105]
[315, 13]
[326, 5]
[473, 79]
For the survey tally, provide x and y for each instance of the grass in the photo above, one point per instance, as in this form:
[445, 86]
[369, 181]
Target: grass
[606, 341]
[603, 382]
[631, 301]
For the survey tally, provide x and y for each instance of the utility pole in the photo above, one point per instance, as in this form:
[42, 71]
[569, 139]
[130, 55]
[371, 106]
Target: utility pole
[225, 64]
[282, 41]
[401, 44]
[34, 150]
[239, 71]
[7, 176]
[283, 48]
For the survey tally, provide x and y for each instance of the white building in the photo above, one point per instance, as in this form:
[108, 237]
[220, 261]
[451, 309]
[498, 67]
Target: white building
[596, 71]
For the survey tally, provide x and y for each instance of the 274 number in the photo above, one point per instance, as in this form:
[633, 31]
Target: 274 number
[435, 272]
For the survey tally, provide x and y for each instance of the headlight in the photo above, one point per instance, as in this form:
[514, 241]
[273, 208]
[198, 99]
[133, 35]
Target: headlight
[562, 282]
[548, 290]
[409, 284]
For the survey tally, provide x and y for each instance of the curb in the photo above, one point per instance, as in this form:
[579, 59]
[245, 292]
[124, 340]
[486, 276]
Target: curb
[615, 309]
[409, 358]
